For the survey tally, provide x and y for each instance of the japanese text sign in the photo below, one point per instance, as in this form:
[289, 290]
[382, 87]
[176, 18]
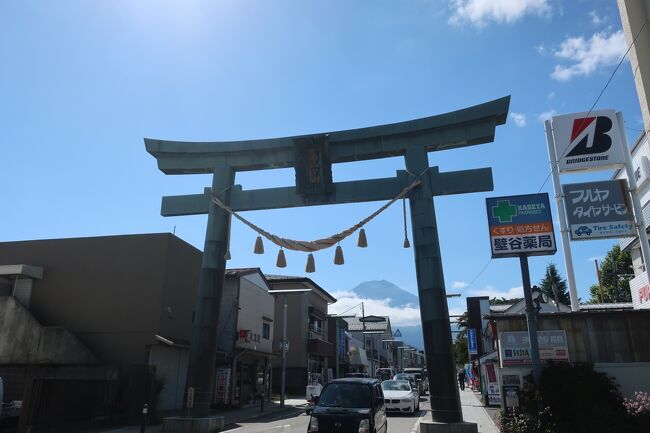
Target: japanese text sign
[588, 141]
[598, 210]
[520, 224]
[472, 348]
[514, 347]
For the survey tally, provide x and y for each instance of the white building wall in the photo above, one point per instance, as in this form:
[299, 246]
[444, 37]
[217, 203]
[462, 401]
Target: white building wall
[255, 303]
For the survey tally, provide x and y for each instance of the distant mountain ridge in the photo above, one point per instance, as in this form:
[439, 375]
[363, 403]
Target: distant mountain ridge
[382, 289]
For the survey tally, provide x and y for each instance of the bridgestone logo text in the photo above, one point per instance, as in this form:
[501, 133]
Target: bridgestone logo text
[586, 159]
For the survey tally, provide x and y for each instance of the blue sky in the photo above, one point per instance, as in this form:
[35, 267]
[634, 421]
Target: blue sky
[82, 82]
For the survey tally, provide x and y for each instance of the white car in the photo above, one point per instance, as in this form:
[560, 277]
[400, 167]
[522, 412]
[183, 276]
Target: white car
[399, 396]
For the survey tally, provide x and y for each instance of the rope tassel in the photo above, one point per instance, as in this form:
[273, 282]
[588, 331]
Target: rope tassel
[227, 256]
[338, 256]
[282, 261]
[311, 266]
[362, 242]
[407, 244]
[259, 246]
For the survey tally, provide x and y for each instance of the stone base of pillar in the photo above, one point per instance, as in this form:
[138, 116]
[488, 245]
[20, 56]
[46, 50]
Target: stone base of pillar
[439, 427]
[182, 424]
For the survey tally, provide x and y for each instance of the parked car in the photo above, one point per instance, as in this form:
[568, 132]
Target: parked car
[409, 377]
[400, 396]
[423, 382]
[358, 375]
[350, 405]
[385, 373]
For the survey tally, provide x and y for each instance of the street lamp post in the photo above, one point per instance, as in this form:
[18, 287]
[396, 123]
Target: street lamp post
[284, 336]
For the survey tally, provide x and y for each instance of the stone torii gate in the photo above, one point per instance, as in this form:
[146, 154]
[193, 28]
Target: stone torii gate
[312, 156]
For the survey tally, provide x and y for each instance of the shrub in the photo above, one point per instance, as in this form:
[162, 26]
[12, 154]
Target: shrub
[583, 400]
[519, 422]
[638, 407]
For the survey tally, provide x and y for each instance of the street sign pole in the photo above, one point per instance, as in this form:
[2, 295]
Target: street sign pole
[531, 319]
[564, 230]
[636, 204]
[284, 348]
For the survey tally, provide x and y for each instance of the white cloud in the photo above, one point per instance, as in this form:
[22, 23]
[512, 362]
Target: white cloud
[551, 96]
[591, 259]
[541, 49]
[480, 12]
[595, 19]
[587, 55]
[399, 316]
[460, 285]
[546, 115]
[518, 118]
[493, 292]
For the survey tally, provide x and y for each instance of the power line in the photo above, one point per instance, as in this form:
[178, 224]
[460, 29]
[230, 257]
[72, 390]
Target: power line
[609, 80]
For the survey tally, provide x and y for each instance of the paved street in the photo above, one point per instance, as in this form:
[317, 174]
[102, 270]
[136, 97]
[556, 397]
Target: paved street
[297, 422]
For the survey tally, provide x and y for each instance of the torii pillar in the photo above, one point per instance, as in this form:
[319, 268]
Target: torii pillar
[312, 156]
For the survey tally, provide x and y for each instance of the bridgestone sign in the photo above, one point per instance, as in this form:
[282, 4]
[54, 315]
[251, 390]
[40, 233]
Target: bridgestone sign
[588, 141]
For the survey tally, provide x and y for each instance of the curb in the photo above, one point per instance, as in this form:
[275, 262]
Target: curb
[261, 414]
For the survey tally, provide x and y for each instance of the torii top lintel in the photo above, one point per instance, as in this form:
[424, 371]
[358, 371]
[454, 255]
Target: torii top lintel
[465, 127]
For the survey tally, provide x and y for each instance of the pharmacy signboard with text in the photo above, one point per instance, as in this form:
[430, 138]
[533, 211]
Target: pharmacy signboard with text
[588, 141]
[520, 224]
[599, 210]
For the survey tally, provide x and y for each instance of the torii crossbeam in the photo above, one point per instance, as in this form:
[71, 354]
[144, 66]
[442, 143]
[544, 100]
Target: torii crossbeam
[312, 156]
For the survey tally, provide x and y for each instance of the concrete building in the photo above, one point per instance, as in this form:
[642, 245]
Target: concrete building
[245, 339]
[639, 287]
[123, 302]
[307, 332]
[634, 17]
[376, 329]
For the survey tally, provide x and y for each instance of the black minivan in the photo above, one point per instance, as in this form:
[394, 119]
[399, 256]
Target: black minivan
[350, 405]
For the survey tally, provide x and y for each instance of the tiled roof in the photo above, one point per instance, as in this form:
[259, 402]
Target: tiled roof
[238, 272]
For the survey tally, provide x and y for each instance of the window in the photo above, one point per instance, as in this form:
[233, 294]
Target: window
[315, 324]
[266, 331]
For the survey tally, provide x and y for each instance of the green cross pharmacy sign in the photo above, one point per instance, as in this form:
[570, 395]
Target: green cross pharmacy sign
[520, 224]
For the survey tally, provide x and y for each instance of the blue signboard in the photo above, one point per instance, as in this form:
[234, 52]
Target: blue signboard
[341, 342]
[397, 334]
[520, 224]
[472, 348]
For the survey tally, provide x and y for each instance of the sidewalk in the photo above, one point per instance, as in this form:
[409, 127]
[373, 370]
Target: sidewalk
[231, 416]
[474, 411]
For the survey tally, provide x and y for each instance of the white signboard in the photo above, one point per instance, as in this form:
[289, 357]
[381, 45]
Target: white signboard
[514, 347]
[640, 290]
[588, 142]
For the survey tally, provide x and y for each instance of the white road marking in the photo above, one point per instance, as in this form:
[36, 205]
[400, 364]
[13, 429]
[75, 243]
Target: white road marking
[417, 422]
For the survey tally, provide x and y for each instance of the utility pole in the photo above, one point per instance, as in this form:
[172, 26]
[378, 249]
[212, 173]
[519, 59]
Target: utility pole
[284, 349]
[531, 319]
[600, 282]
[363, 332]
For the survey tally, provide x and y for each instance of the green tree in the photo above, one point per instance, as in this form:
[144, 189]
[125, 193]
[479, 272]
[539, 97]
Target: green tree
[546, 285]
[460, 349]
[615, 273]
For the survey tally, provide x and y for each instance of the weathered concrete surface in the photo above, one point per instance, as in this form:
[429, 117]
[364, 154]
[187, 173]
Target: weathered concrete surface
[25, 341]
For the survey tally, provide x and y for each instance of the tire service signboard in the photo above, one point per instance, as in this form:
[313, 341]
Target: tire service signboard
[598, 210]
[520, 224]
[587, 141]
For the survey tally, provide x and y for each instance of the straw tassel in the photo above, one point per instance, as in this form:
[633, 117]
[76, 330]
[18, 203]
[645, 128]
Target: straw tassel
[282, 261]
[259, 246]
[362, 242]
[311, 266]
[227, 256]
[407, 244]
[338, 256]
